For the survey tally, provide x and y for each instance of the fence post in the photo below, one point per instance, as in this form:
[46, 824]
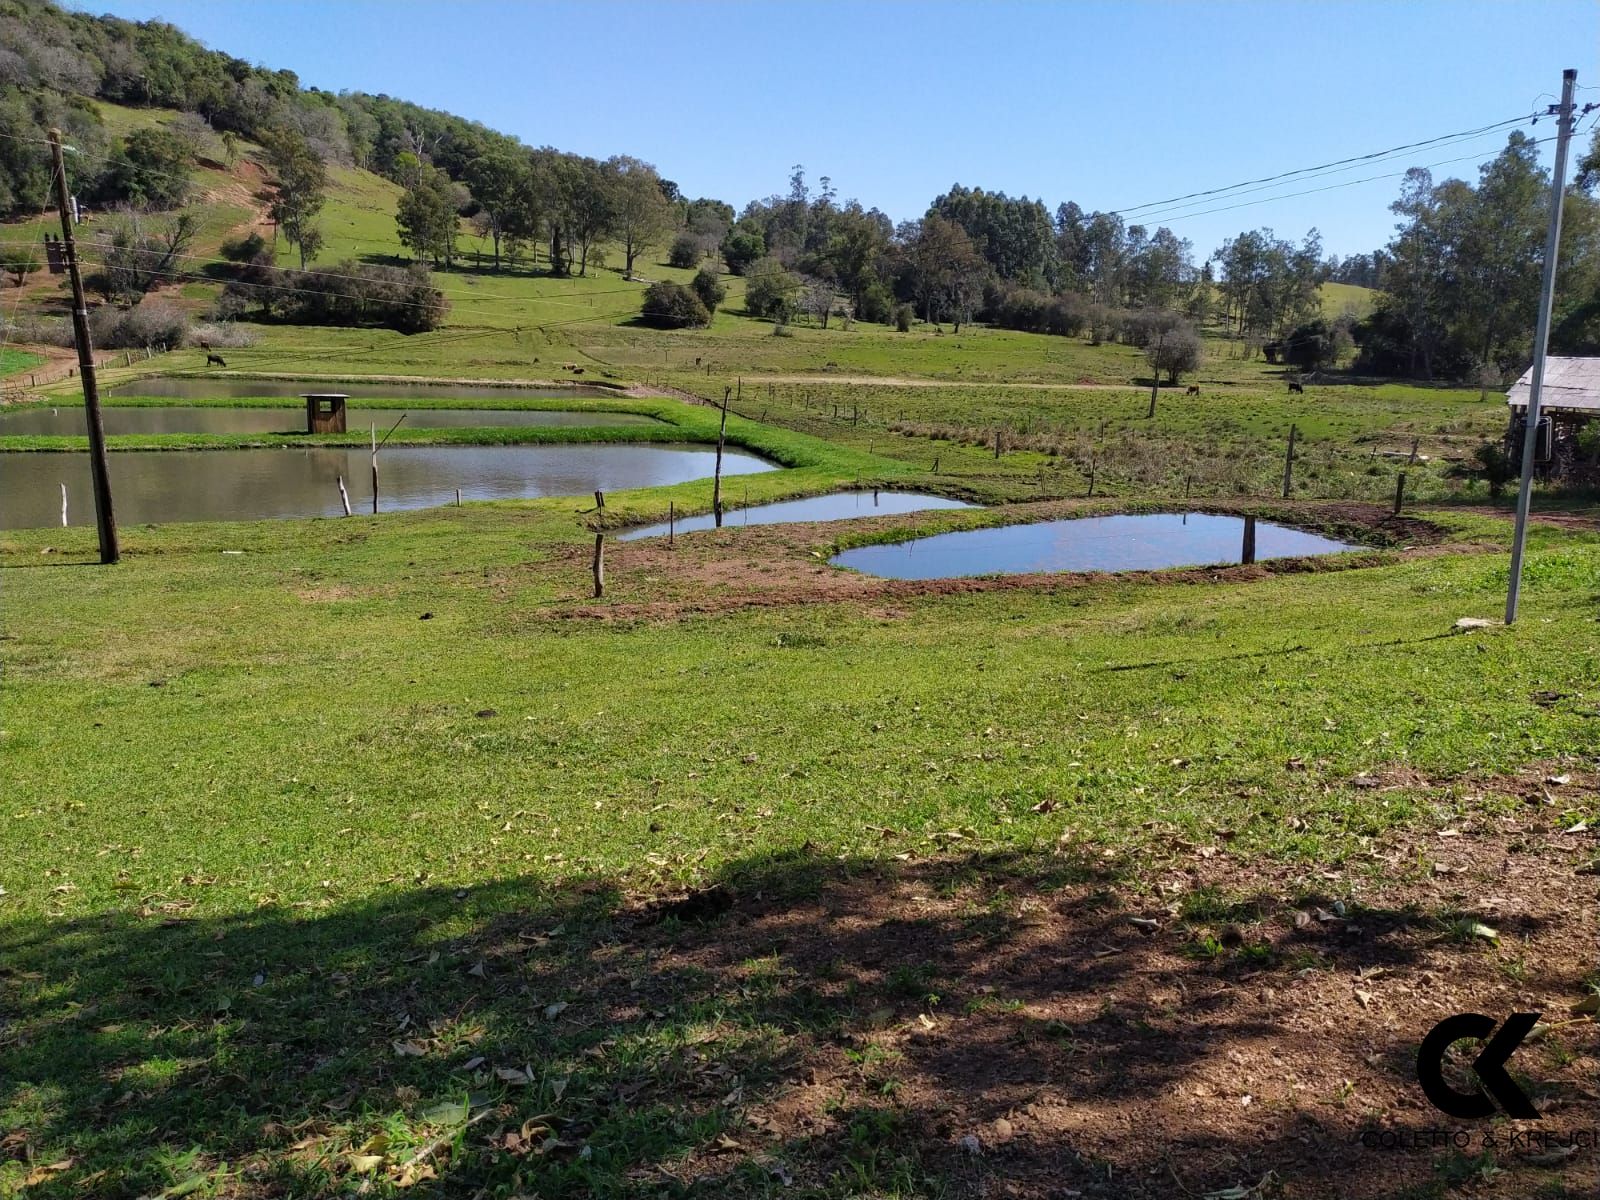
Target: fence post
[672, 521]
[1288, 465]
[1247, 554]
[599, 565]
[1399, 492]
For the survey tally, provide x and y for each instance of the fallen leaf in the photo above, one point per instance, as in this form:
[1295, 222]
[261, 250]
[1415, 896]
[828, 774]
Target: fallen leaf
[409, 1050]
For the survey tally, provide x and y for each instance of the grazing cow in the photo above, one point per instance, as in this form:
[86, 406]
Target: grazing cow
[215, 360]
[577, 370]
[1296, 387]
[1194, 390]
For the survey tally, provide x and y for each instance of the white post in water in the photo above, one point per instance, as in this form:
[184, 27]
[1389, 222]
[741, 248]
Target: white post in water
[1541, 339]
[63, 506]
[344, 496]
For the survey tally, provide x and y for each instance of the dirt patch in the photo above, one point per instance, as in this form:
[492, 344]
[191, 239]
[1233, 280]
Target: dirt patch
[778, 565]
[1052, 1029]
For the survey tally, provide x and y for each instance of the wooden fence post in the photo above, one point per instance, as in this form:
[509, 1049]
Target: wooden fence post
[1247, 554]
[1091, 476]
[1399, 492]
[1288, 465]
[599, 565]
[344, 496]
[672, 521]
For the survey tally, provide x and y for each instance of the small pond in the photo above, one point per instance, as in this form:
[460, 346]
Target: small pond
[197, 388]
[247, 485]
[1123, 542]
[837, 506]
[69, 421]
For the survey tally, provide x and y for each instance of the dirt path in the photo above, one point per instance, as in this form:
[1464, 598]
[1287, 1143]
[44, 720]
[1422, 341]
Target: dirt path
[898, 381]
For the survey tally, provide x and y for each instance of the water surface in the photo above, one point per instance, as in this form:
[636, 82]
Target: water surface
[243, 485]
[69, 421]
[1123, 542]
[836, 506]
[212, 389]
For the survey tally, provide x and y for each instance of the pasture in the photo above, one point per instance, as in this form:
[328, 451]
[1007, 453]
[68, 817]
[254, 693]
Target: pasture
[379, 856]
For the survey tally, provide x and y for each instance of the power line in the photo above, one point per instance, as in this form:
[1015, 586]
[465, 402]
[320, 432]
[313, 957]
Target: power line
[1360, 158]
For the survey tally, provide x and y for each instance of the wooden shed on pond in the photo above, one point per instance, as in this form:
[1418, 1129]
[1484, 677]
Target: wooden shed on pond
[325, 412]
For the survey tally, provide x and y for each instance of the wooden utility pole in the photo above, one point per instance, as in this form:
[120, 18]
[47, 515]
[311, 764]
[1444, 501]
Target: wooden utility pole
[1541, 338]
[99, 473]
[1288, 465]
[716, 478]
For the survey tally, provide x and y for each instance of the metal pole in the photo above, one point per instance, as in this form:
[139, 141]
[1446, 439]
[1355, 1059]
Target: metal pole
[99, 474]
[1541, 339]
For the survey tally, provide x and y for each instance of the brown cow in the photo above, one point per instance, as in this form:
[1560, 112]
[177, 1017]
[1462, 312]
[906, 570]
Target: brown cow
[1194, 390]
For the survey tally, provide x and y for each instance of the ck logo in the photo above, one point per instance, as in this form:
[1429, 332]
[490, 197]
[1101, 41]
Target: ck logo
[1490, 1066]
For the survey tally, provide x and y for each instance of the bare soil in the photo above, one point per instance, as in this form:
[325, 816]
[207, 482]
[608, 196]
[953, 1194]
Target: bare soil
[1209, 1027]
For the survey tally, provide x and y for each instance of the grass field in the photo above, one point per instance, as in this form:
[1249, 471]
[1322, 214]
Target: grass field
[13, 361]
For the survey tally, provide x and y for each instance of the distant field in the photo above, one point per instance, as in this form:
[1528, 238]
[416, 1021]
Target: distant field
[1339, 298]
[12, 361]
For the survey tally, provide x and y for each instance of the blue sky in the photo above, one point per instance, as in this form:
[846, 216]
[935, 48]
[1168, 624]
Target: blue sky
[1111, 105]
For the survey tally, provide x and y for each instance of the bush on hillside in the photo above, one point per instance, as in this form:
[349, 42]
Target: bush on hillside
[708, 286]
[686, 251]
[770, 290]
[670, 305]
[244, 249]
[904, 316]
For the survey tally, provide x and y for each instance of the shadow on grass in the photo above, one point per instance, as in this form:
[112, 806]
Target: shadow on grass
[519, 1038]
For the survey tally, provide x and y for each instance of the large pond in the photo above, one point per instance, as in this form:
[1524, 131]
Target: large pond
[214, 389]
[241, 485]
[1125, 542]
[837, 506]
[69, 421]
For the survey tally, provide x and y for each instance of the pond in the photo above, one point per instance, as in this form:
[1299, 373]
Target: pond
[36, 419]
[218, 389]
[247, 485]
[837, 506]
[1124, 542]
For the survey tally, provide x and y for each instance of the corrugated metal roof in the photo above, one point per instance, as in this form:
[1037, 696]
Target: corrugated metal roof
[1570, 385]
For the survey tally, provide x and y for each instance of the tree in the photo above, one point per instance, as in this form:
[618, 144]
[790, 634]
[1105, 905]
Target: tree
[948, 271]
[501, 183]
[302, 186]
[152, 169]
[741, 248]
[137, 252]
[19, 262]
[641, 213]
[672, 306]
[426, 217]
[708, 286]
[819, 299]
[1176, 352]
[770, 290]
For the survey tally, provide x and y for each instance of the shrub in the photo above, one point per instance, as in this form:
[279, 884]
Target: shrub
[350, 293]
[877, 304]
[673, 306]
[220, 335]
[153, 323]
[903, 317]
[245, 249]
[1175, 352]
[686, 251]
[1310, 346]
[708, 286]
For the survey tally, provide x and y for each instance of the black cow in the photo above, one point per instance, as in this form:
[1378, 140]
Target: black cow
[215, 360]
[1296, 387]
